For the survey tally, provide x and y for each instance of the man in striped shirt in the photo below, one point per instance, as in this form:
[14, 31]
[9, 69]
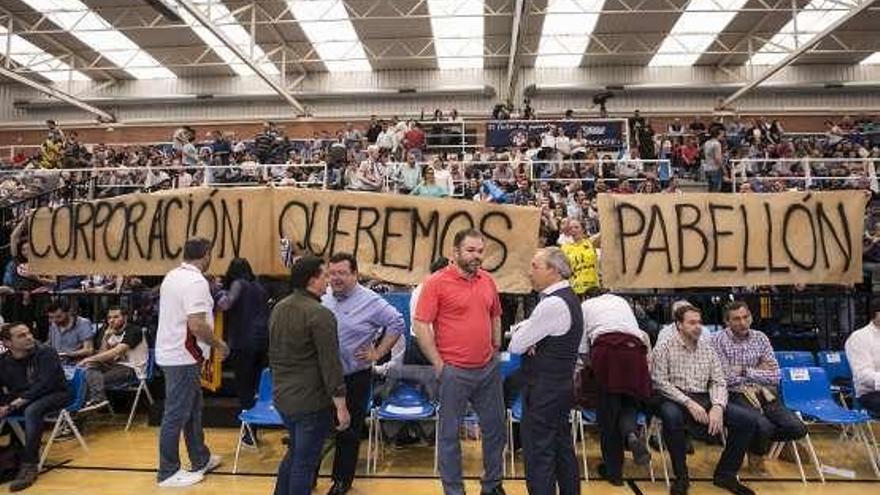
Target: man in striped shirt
[692, 395]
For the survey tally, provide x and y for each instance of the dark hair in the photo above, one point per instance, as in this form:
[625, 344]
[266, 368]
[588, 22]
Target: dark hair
[442, 262]
[683, 310]
[734, 306]
[461, 235]
[239, 268]
[340, 257]
[58, 305]
[6, 329]
[304, 270]
[196, 248]
[118, 308]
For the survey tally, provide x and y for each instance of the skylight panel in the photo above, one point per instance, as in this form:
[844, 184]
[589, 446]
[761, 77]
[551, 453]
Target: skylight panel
[457, 26]
[872, 59]
[226, 22]
[811, 20]
[695, 31]
[329, 29]
[566, 32]
[37, 60]
[99, 35]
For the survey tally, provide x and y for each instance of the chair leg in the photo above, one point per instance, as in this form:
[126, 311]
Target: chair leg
[148, 394]
[510, 451]
[238, 448]
[658, 431]
[582, 430]
[137, 399]
[16, 428]
[49, 443]
[870, 448]
[800, 464]
[370, 426]
[814, 458]
[648, 447]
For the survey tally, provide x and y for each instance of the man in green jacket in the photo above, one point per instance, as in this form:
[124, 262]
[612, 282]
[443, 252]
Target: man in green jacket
[307, 374]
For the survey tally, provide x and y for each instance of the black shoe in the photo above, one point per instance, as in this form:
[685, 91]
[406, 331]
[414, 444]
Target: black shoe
[654, 444]
[679, 487]
[603, 473]
[339, 488]
[27, 475]
[498, 490]
[731, 484]
[637, 447]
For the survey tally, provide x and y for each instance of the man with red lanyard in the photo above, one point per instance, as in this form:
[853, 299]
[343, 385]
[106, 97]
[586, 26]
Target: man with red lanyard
[183, 341]
[458, 326]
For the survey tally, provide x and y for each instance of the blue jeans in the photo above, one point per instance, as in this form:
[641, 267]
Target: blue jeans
[300, 465]
[714, 179]
[183, 412]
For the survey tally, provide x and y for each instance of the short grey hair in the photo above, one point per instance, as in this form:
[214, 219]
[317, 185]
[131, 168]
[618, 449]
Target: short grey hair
[555, 258]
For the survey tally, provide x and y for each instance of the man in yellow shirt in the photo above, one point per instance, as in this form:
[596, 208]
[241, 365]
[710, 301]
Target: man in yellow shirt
[582, 256]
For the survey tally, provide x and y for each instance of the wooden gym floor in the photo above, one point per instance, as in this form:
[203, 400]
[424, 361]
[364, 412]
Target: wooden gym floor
[122, 463]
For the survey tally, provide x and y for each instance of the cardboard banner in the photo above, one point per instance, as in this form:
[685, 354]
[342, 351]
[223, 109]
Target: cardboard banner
[731, 240]
[395, 237]
[602, 134]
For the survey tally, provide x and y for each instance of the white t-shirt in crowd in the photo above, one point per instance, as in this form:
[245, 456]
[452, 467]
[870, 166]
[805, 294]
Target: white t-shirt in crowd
[608, 313]
[184, 292]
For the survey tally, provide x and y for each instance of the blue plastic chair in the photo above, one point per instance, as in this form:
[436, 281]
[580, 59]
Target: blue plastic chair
[837, 369]
[263, 413]
[807, 392]
[406, 403]
[510, 364]
[795, 359]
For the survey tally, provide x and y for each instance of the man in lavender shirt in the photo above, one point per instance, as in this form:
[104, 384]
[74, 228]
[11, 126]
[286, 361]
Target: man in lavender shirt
[361, 316]
[752, 375]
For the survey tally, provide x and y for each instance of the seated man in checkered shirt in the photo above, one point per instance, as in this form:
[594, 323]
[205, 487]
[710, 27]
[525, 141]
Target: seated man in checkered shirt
[752, 375]
[691, 394]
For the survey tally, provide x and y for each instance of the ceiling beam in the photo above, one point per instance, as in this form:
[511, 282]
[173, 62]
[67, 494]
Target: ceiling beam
[58, 94]
[512, 69]
[209, 25]
[791, 57]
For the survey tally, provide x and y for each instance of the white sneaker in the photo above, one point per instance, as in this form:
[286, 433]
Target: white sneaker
[213, 463]
[181, 479]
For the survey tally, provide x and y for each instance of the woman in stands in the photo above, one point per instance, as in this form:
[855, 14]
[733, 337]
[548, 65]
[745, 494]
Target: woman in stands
[246, 306]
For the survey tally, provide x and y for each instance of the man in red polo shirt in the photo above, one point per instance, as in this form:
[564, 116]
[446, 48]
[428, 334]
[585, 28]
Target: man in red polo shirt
[458, 326]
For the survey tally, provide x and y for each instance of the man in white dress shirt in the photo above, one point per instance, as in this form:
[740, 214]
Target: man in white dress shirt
[863, 353]
[548, 341]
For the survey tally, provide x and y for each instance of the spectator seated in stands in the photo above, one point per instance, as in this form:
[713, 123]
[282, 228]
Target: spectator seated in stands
[863, 354]
[71, 336]
[121, 359]
[752, 375]
[32, 384]
[429, 186]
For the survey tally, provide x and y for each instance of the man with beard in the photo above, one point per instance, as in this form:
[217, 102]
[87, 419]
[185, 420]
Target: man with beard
[458, 326]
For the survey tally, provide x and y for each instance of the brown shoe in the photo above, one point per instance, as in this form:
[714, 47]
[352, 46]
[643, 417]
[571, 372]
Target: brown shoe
[27, 475]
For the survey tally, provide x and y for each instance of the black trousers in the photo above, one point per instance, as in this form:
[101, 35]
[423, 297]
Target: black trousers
[546, 436]
[871, 402]
[740, 422]
[248, 365]
[348, 441]
[616, 415]
[776, 424]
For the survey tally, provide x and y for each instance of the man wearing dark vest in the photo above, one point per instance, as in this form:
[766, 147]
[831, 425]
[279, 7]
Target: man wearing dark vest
[549, 342]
